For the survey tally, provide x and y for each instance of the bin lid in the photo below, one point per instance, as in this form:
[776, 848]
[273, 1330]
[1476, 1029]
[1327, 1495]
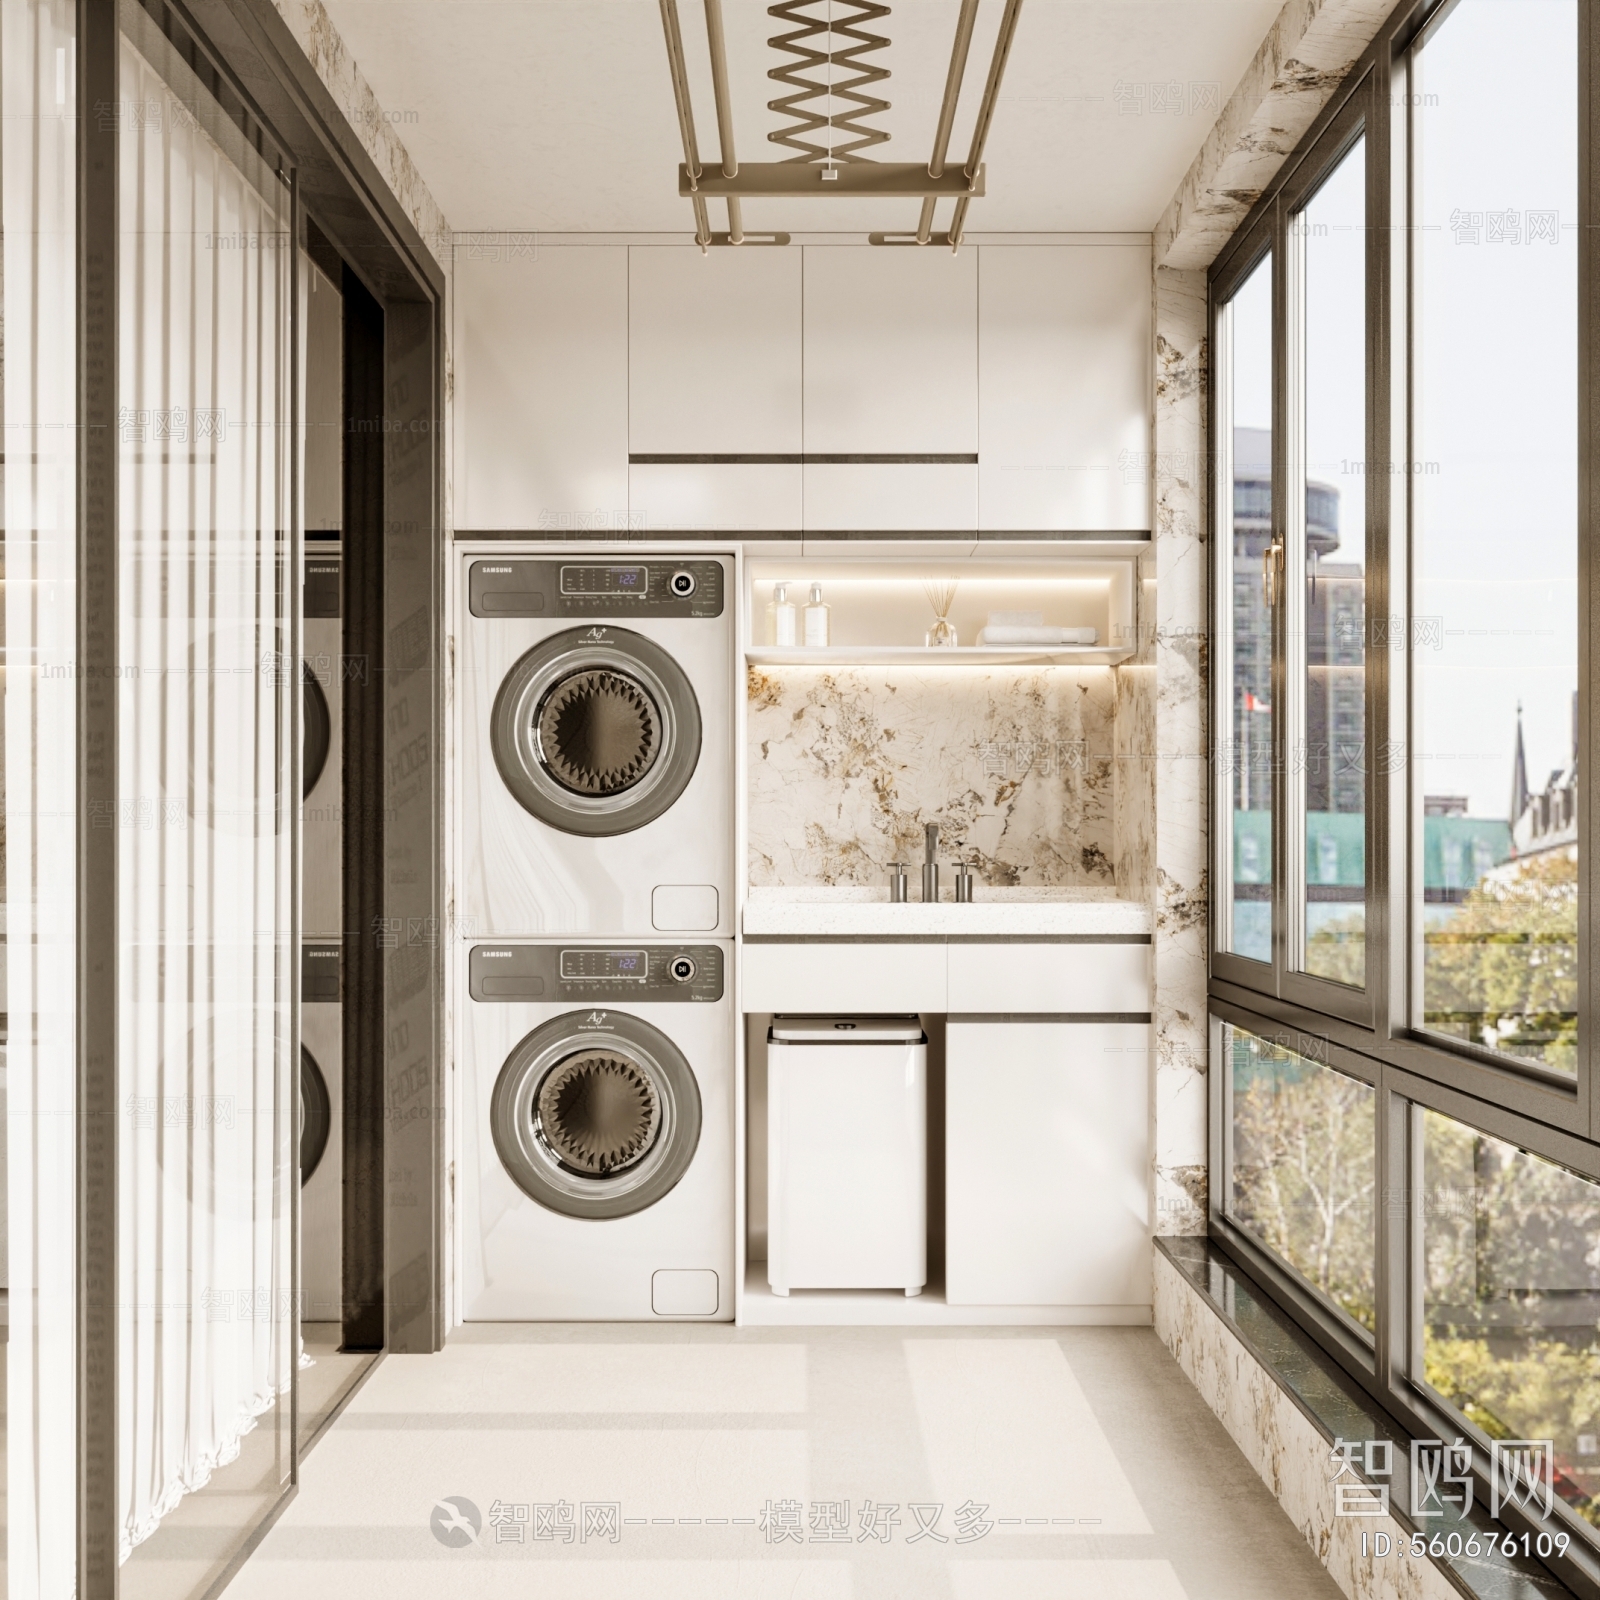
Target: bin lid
[848, 1030]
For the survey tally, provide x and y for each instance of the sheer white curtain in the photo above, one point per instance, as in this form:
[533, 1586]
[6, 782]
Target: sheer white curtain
[37, 198]
[205, 862]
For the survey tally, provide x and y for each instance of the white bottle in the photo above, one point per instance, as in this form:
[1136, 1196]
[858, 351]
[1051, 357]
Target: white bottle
[780, 616]
[817, 624]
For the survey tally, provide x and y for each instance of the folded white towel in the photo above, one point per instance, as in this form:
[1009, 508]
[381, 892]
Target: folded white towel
[1035, 636]
[1016, 619]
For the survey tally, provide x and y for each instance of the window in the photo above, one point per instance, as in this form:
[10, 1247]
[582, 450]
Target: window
[1327, 627]
[1494, 626]
[1510, 1295]
[1244, 672]
[1409, 611]
[1303, 1172]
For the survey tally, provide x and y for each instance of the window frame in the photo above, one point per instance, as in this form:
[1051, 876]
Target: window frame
[1378, 1019]
[1347, 120]
[1549, 1117]
[1382, 1364]
[1250, 249]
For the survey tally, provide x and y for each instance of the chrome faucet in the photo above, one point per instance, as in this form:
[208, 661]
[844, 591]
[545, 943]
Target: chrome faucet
[930, 867]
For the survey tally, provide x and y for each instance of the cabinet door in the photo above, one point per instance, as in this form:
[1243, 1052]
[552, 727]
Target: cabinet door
[1047, 1154]
[819, 978]
[891, 351]
[1024, 978]
[713, 351]
[541, 390]
[1064, 388]
[714, 369]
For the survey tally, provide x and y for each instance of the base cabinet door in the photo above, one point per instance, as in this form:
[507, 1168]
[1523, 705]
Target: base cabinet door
[1047, 1151]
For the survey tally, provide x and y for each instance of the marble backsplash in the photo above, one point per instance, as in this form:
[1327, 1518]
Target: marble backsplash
[1019, 767]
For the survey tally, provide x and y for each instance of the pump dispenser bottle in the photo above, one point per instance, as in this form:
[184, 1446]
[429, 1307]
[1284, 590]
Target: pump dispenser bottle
[817, 618]
[780, 616]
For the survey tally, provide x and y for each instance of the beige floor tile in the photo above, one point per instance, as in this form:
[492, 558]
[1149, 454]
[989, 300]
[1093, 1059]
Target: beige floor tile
[680, 1426]
[620, 1377]
[489, 1579]
[1066, 1580]
[380, 1477]
[1005, 1423]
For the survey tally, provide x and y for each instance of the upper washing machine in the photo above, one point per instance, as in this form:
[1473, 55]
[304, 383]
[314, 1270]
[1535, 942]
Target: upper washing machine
[596, 745]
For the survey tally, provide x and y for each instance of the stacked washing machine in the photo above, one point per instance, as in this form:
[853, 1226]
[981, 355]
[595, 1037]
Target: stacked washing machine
[322, 922]
[596, 1030]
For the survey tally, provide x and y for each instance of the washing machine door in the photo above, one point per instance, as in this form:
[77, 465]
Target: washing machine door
[596, 1118]
[316, 1115]
[596, 731]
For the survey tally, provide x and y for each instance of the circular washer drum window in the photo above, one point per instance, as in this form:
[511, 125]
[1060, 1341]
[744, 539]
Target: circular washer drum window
[596, 731]
[596, 1120]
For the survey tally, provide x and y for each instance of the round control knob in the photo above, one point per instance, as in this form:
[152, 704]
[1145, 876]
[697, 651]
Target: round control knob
[682, 968]
[682, 584]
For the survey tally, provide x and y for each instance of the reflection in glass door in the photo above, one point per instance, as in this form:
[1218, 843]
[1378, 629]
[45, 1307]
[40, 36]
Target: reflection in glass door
[207, 828]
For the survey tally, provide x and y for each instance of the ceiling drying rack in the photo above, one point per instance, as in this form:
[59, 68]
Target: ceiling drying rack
[832, 170]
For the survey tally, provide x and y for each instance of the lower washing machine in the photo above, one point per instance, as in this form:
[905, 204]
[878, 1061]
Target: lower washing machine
[597, 1133]
[321, 1134]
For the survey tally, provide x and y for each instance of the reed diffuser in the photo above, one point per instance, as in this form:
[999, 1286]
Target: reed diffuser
[941, 593]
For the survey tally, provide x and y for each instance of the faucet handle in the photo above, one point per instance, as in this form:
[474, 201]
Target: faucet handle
[897, 882]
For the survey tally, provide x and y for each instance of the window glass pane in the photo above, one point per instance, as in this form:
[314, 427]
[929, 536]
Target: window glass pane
[1511, 1298]
[1331, 778]
[1494, 626]
[1304, 1166]
[1247, 674]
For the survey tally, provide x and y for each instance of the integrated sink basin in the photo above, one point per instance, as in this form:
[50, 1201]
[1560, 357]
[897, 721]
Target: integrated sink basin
[867, 914]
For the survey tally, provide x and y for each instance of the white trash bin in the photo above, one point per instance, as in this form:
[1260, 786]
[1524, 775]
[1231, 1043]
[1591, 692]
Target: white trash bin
[847, 1153]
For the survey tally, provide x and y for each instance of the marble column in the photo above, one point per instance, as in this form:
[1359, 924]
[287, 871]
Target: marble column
[1181, 787]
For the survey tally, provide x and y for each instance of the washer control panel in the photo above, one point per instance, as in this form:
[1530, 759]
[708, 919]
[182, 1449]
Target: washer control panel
[659, 587]
[582, 973]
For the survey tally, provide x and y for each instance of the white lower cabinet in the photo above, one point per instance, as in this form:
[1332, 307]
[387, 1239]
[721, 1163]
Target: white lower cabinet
[1047, 1149]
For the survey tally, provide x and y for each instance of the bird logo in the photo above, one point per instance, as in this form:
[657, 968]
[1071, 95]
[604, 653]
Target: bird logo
[455, 1521]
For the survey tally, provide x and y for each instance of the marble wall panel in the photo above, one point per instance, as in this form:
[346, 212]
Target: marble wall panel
[1136, 748]
[1288, 1451]
[1302, 61]
[1016, 765]
[1182, 790]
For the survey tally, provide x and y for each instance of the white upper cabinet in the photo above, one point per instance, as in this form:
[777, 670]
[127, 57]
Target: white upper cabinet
[714, 369]
[1064, 388]
[540, 369]
[891, 350]
[713, 351]
[1036, 359]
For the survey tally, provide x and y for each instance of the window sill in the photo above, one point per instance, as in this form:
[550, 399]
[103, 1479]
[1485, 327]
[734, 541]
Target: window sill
[1286, 1430]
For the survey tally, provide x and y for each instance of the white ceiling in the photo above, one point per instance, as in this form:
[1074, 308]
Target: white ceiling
[557, 115]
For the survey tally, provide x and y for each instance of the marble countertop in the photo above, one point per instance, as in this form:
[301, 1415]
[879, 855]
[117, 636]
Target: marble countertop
[857, 913]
